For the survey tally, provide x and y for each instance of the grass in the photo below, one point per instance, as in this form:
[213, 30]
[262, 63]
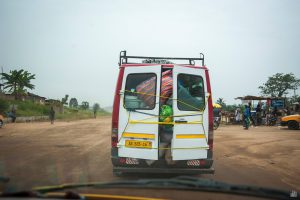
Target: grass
[76, 114]
[29, 109]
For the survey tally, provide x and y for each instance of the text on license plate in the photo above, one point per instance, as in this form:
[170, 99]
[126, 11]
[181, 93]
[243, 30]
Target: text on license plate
[138, 144]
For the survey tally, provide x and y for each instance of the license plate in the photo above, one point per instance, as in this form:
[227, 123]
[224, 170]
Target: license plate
[138, 144]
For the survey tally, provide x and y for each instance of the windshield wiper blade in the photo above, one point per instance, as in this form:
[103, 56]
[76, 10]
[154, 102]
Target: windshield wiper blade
[36, 194]
[179, 183]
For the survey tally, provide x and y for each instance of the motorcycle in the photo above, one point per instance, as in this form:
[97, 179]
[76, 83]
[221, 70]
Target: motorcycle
[216, 122]
[272, 120]
[1, 121]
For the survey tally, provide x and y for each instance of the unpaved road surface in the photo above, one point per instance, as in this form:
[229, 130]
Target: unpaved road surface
[36, 154]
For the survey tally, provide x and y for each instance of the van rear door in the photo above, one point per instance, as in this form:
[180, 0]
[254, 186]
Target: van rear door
[139, 108]
[190, 133]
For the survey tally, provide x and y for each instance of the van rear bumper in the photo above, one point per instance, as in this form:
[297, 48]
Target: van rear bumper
[160, 166]
[186, 171]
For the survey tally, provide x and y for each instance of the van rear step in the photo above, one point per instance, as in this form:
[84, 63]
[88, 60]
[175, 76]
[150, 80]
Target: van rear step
[183, 171]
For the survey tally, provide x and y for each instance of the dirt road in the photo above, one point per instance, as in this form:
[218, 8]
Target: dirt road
[35, 154]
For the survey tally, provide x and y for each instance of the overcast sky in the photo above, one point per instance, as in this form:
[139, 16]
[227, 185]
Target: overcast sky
[73, 46]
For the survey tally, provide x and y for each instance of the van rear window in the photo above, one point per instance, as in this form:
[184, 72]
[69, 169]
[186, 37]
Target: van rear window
[140, 91]
[190, 92]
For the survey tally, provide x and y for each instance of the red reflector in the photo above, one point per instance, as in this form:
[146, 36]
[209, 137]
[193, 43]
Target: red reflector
[202, 162]
[122, 160]
[114, 140]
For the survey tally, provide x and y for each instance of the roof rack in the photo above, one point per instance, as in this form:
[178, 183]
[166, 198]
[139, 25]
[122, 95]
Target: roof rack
[124, 58]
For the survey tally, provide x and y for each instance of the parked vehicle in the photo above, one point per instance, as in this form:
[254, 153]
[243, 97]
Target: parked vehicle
[292, 121]
[162, 120]
[217, 115]
[271, 120]
[1, 121]
[216, 123]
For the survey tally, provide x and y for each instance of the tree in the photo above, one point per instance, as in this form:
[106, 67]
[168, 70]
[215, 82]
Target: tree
[65, 99]
[96, 107]
[221, 101]
[3, 106]
[17, 81]
[279, 84]
[73, 103]
[231, 108]
[85, 105]
[294, 99]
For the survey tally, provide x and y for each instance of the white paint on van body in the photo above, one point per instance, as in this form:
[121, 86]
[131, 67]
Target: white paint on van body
[184, 149]
[184, 153]
[151, 154]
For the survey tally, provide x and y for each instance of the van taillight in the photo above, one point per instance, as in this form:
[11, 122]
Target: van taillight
[114, 137]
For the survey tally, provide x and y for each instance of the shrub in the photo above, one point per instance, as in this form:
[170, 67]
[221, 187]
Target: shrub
[4, 105]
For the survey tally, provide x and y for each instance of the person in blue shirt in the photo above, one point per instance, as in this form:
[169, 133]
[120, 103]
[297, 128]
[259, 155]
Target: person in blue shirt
[246, 117]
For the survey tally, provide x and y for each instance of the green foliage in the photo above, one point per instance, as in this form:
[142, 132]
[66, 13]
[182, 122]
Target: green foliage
[293, 99]
[279, 84]
[231, 108]
[85, 105]
[25, 108]
[96, 107]
[74, 114]
[65, 99]
[29, 108]
[73, 103]
[3, 106]
[16, 81]
[221, 101]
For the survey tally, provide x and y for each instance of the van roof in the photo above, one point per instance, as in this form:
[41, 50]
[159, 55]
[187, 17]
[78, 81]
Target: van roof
[124, 61]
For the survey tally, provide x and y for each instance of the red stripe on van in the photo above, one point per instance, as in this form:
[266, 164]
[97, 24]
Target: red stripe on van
[138, 65]
[210, 111]
[116, 106]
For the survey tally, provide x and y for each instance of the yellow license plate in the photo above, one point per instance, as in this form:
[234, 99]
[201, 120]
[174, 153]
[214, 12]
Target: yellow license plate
[138, 144]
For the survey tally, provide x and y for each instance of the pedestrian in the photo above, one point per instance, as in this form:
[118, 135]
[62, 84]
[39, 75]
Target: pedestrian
[13, 114]
[95, 113]
[288, 111]
[237, 115]
[52, 115]
[246, 117]
[275, 111]
[251, 117]
[258, 114]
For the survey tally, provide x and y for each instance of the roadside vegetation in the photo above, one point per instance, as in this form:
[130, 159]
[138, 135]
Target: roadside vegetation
[16, 84]
[24, 108]
[29, 109]
[75, 114]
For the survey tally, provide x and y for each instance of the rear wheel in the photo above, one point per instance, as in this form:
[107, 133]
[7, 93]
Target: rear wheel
[216, 125]
[293, 125]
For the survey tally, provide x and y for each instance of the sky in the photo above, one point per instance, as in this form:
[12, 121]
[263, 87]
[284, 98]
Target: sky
[73, 46]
